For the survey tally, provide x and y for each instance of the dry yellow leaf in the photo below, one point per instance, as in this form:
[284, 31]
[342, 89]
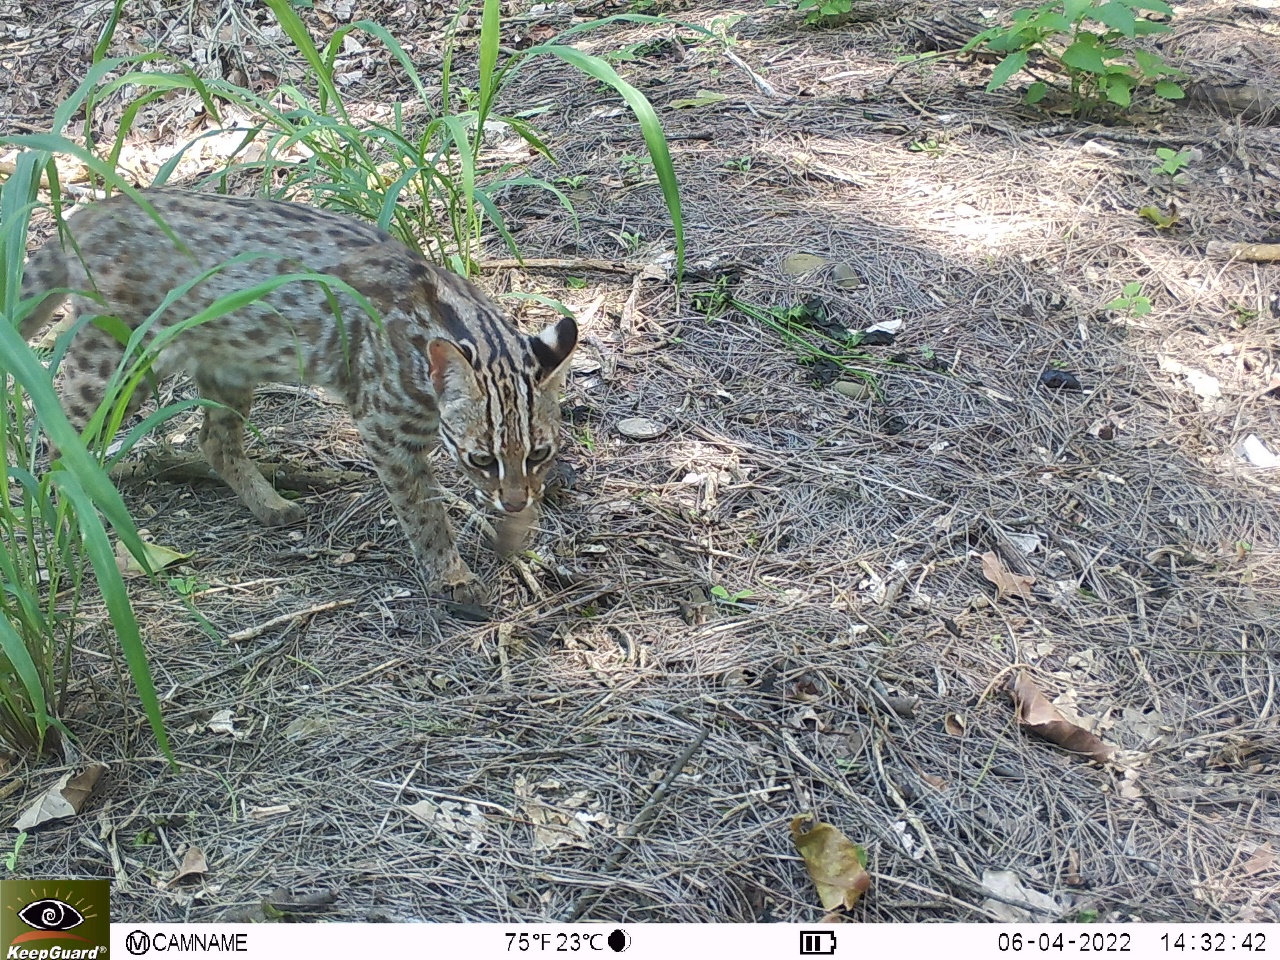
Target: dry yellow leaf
[836, 864]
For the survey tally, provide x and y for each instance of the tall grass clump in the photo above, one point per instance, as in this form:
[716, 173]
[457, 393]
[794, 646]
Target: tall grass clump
[55, 550]
[420, 173]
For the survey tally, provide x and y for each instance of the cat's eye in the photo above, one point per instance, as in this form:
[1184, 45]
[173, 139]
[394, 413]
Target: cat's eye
[481, 461]
[539, 454]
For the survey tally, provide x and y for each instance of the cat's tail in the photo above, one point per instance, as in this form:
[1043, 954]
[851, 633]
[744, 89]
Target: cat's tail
[46, 273]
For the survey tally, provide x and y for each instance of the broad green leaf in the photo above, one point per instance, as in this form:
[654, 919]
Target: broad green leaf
[1150, 64]
[1114, 15]
[1169, 90]
[1084, 55]
[1073, 10]
[158, 557]
[1119, 93]
[1131, 289]
[1006, 68]
[983, 37]
[1037, 92]
[1146, 28]
[1051, 20]
[1013, 40]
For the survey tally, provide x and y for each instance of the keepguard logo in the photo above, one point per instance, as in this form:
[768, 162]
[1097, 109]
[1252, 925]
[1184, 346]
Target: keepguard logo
[54, 919]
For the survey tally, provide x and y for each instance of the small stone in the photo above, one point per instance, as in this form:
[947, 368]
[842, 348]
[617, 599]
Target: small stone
[853, 389]
[641, 428]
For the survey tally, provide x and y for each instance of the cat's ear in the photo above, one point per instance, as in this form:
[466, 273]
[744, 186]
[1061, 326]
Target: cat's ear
[553, 347]
[451, 371]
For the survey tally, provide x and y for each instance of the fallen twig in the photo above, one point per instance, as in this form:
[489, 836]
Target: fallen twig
[258, 630]
[763, 85]
[553, 263]
[622, 847]
[1250, 252]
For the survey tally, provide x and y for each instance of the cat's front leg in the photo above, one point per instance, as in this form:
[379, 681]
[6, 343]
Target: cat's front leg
[418, 501]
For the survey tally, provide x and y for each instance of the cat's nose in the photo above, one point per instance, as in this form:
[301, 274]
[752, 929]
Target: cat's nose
[516, 503]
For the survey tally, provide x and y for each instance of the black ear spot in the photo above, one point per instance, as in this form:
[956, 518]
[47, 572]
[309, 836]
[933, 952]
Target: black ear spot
[554, 345]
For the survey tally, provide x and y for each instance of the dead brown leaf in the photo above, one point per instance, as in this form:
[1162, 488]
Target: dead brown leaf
[554, 825]
[1263, 859]
[837, 866]
[1041, 717]
[63, 799]
[1006, 583]
[1072, 876]
[194, 864]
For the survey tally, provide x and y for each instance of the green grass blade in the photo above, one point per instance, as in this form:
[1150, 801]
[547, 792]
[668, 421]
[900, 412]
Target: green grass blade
[17, 360]
[650, 126]
[73, 104]
[297, 31]
[490, 39]
[97, 546]
[12, 646]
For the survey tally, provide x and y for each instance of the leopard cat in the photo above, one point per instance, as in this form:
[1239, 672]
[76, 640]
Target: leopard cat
[438, 362]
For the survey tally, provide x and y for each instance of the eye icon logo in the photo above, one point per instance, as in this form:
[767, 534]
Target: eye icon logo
[67, 919]
[50, 914]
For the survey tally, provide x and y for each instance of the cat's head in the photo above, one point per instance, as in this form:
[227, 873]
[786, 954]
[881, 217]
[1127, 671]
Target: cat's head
[499, 404]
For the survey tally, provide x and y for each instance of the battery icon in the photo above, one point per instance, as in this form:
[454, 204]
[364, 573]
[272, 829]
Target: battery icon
[817, 943]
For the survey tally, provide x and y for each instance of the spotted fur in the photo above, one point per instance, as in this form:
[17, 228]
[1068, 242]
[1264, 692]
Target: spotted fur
[441, 362]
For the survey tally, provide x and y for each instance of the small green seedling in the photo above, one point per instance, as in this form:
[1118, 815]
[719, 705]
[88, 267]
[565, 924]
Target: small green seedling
[11, 858]
[928, 146]
[1171, 161]
[631, 242]
[742, 164]
[1131, 301]
[185, 586]
[721, 595]
[575, 283]
[1243, 315]
[824, 13]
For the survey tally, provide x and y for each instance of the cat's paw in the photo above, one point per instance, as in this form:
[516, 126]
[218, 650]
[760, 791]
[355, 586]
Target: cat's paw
[283, 514]
[470, 591]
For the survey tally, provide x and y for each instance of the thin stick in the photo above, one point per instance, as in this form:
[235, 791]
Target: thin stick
[251, 633]
[249, 658]
[622, 848]
[763, 85]
[542, 263]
